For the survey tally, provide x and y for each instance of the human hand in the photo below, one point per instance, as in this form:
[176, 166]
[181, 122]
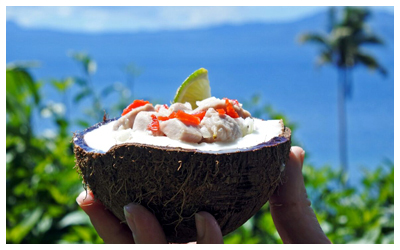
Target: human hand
[293, 217]
[143, 226]
[291, 210]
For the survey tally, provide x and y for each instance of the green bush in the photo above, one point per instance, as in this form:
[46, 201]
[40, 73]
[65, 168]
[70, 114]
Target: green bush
[42, 184]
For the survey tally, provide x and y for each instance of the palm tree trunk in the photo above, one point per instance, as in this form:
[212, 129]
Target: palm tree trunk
[349, 83]
[342, 118]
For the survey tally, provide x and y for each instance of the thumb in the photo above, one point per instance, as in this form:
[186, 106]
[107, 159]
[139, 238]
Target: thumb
[208, 230]
[144, 225]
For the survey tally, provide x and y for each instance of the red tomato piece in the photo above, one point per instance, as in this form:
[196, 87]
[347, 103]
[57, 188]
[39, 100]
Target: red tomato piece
[154, 125]
[187, 119]
[133, 105]
[221, 111]
[172, 115]
[200, 114]
[230, 110]
[163, 118]
[235, 102]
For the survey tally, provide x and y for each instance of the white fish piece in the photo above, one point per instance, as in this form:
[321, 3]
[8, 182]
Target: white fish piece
[177, 130]
[217, 103]
[210, 102]
[127, 120]
[162, 109]
[221, 127]
[246, 125]
[143, 119]
[180, 106]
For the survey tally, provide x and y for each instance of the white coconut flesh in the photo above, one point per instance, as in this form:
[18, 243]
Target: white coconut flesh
[104, 137]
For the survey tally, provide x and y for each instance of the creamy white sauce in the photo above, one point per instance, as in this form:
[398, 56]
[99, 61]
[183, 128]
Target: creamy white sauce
[103, 138]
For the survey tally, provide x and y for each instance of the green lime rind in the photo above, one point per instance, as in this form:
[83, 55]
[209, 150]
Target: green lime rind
[195, 88]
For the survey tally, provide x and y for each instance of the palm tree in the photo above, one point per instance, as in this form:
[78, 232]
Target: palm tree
[341, 47]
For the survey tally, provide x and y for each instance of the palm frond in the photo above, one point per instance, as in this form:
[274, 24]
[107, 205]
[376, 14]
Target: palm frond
[368, 39]
[370, 62]
[314, 38]
[355, 17]
[326, 56]
[341, 32]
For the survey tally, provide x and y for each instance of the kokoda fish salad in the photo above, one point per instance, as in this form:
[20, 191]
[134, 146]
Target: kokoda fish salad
[213, 120]
[214, 125]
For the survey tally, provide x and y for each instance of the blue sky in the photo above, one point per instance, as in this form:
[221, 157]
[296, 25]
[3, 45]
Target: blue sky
[103, 19]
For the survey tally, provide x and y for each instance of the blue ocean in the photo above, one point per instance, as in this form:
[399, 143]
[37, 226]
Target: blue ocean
[242, 60]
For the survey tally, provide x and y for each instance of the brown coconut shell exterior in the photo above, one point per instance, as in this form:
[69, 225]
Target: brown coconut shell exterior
[175, 183]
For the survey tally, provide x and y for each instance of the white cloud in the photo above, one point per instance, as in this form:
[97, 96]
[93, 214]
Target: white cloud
[65, 11]
[99, 19]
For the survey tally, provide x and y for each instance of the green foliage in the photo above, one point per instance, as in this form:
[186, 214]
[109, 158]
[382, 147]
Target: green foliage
[42, 184]
[348, 215]
[40, 179]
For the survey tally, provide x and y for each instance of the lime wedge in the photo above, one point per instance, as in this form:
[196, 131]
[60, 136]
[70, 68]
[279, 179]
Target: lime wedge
[195, 88]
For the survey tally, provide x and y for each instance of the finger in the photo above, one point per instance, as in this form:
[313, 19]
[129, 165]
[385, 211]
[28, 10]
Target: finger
[208, 230]
[291, 212]
[144, 225]
[296, 156]
[109, 228]
[292, 190]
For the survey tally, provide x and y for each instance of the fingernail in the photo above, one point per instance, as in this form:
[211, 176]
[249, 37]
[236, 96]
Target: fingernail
[84, 199]
[128, 212]
[303, 155]
[200, 225]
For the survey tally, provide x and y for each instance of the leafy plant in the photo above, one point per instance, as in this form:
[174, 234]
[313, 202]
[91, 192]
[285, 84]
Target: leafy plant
[40, 181]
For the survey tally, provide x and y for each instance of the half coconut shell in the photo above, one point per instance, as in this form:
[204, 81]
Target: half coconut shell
[175, 183]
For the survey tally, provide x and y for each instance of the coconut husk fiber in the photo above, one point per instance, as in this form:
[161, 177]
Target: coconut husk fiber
[176, 183]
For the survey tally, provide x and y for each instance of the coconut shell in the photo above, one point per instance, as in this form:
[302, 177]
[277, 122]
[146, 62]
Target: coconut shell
[175, 183]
